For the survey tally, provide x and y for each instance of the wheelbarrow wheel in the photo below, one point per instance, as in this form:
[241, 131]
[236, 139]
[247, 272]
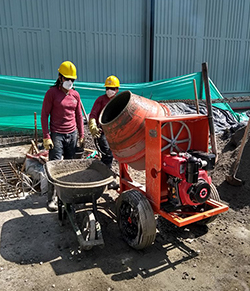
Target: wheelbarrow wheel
[135, 219]
[88, 228]
[215, 196]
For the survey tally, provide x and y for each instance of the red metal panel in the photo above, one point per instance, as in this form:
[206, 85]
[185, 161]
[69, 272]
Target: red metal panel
[153, 161]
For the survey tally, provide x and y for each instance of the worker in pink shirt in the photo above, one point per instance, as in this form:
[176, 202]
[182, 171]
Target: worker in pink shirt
[62, 105]
[112, 85]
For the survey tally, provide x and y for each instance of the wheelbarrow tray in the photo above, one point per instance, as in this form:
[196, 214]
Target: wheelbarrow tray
[77, 180]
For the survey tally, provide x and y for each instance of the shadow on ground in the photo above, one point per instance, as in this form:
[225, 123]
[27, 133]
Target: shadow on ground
[33, 239]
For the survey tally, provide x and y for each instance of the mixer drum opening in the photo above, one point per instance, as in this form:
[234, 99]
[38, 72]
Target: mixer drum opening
[115, 107]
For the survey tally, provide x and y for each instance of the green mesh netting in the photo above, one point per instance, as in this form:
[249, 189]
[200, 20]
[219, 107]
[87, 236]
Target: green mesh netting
[21, 97]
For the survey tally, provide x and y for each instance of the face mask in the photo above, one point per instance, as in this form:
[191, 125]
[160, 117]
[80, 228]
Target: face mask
[110, 93]
[67, 85]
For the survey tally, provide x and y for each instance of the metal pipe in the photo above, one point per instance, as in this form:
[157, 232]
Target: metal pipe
[35, 119]
[196, 97]
[84, 112]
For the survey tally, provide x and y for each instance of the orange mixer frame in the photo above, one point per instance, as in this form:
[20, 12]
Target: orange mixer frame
[193, 132]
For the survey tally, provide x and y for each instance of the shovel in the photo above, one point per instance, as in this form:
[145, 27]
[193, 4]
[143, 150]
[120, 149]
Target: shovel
[231, 179]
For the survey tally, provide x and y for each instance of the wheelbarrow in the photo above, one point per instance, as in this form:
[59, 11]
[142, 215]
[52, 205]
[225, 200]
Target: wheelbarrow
[80, 181]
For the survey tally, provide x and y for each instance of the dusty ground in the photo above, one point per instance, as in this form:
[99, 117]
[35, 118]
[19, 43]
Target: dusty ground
[36, 253]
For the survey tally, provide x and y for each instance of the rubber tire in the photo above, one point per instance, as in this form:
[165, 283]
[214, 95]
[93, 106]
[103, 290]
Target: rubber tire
[215, 196]
[142, 216]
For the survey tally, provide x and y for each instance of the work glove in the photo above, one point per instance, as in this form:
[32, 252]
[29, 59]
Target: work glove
[94, 130]
[81, 142]
[48, 144]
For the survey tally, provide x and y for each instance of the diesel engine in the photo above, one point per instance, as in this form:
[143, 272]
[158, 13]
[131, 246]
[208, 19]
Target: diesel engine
[187, 180]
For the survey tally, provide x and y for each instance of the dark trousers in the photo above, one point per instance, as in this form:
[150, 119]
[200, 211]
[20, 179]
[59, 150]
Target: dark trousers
[107, 156]
[64, 146]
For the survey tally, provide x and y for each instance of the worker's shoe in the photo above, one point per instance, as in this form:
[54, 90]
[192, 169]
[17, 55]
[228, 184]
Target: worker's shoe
[52, 206]
[113, 185]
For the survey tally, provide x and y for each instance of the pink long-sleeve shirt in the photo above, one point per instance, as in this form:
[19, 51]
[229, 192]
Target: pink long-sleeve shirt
[64, 111]
[99, 104]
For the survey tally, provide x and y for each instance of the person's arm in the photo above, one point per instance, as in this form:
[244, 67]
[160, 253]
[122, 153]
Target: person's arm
[93, 118]
[96, 109]
[46, 110]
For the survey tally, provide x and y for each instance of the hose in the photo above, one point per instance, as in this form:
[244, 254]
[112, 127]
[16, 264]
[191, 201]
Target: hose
[99, 149]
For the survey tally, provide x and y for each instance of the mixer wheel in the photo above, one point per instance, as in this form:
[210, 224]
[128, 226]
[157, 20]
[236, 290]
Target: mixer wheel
[177, 136]
[215, 196]
[136, 219]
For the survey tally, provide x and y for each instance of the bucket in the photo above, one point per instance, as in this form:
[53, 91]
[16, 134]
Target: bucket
[79, 153]
[123, 123]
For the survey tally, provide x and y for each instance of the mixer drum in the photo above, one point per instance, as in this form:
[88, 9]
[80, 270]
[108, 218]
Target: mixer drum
[123, 123]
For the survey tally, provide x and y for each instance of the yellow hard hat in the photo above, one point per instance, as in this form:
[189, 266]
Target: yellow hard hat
[112, 82]
[68, 70]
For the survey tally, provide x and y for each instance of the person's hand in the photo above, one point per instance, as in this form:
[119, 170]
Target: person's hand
[81, 142]
[94, 130]
[48, 144]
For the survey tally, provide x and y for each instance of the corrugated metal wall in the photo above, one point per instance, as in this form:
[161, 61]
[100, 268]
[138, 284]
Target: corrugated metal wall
[104, 37]
[101, 37]
[190, 32]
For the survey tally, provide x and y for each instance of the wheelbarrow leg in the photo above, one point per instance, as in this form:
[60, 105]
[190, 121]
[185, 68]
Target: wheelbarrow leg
[89, 234]
[61, 212]
[60, 204]
[94, 207]
[97, 223]
[70, 211]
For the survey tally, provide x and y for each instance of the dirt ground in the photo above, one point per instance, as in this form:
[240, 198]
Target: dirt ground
[37, 253]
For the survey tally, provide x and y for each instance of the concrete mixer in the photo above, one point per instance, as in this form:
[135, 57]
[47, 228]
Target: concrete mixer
[173, 150]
